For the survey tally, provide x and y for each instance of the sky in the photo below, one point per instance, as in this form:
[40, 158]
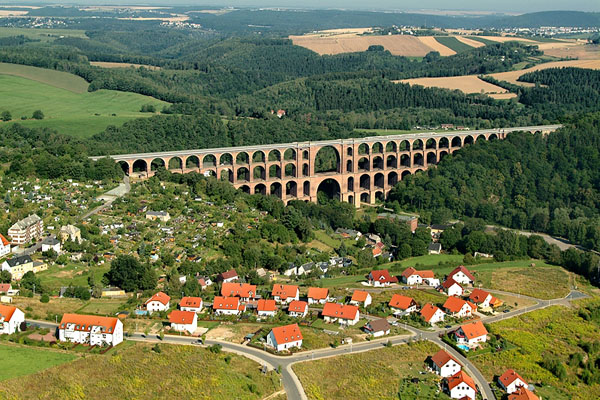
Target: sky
[504, 6]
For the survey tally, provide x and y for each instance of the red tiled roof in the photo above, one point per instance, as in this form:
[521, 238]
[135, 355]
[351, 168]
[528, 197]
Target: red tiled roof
[401, 302]
[181, 317]
[287, 333]
[408, 272]
[449, 282]
[232, 289]
[297, 306]
[266, 305]
[193, 302]
[225, 303]
[464, 270]
[459, 378]
[318, 293]
[336, 310]
[441, 358]
[478, 296]
[509, 377]
[3, 240]
[6, 312]
[5, 287]
[201, 282]
[427, 274]
[161, 297]
[284, 291]
[428, 311]
[474, 329]
[86, 322]
[359, 295]
[454, 304]
[229, 274]
[523, 394]
[383, 276]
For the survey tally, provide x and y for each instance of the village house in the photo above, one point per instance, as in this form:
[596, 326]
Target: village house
[193, 304]
[432, 314]
[298, 309]
[380, 278]
[379, 327]
[228, 306]
[229, 276]
[402, 305]
[481, 298]
[162, 216]
[361, 298]
[510, 381]
[411, 276]
[26, 230]
[51, 243]
[158, 302]
[204, 282]
[11, 319]
[285, 337]
[460, 386]
[285, 293]
[90, 329]
[452, 288]
[434, 248]
[471, 334]
[244, 291]
[4, 246]
[318, 295]
[458, 307]
[443, 364]
[461, 275]
[266, 308]
[183, 321]
[344, 314]
[18, 266]
[70, 232]
[523, 394]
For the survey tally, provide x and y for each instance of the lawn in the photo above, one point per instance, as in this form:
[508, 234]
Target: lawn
[57, 276]
[421, 296]
[554, 330]
[20, 361]
[66, 107]
[453, 43]
[137, 372]
[343, 281]
[376, 374]
[56, 307]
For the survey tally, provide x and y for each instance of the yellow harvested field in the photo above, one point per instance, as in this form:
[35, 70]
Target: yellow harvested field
[12, 13]
[512, 76]
[437, 46]
[466, 84]
[504, 39]
[469, 42]
[400, 45]
[502, 96]
[578, 50]
[104, 64]
[174, 18]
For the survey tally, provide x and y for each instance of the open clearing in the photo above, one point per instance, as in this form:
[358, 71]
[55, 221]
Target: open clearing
[137, 372]
[20, 361]
[512, 76]
[469, 42]
[430, 41]
[105, 64]
[576, 50]
[77, 114]
[45, 35]
[58, 79]
[466, 84]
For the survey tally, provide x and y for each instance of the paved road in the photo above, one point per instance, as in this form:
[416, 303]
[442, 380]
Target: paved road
[110, 196]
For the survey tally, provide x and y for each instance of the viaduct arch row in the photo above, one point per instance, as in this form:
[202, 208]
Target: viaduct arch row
[366, 169]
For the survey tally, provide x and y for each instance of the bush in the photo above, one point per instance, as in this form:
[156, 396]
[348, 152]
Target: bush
[215, 348]
[45, 298]
[38, 114]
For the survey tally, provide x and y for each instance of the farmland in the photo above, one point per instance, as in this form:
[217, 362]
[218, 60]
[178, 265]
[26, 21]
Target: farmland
[191, 372]
[466, 84]
[44, 35]
[512, 76]
[20, 361]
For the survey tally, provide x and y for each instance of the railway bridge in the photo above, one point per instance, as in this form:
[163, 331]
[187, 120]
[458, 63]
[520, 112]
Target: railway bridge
[365, 169]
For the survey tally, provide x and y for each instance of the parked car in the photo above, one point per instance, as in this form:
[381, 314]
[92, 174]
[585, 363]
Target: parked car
[197, 342]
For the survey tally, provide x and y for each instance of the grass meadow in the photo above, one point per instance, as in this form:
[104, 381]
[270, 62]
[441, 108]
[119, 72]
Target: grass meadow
[453, 43]
[45, 35]
[19, 361]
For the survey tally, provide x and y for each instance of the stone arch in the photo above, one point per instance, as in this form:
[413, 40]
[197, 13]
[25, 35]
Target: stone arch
[377, 148]
[243, 175]
[443, 154]
[275, 155]
[431, 144]
[405, 160]
[209, 161]
[468, 140]
[192, 162]
[349, 151]
[260, 189]
[390, 147]
[417, 144]
[259, 172]
[418, 159]
[379, 180]
[291, 189]
[227, 175]
[363, 164]
[245, 189]
[242, 158]
[349, 166]
[289, 154]
[379, 196]
[481, 138]
[456, 141]
[351, 184]
[444, 143]
[327, 160]
[276, 189]
[431, 157]
[306, 188]
[404, 146]
[275, 171]
[331, 187]
[226, 159]
[305, 170]
[363, 149]
[404, 174]
[392, 178]
[175, 163]
[124, 166]
[391, 161]
[351, 199]
[258, 157]
[305, 155]
[493, 136]
[290, 170]
[364, 198]
[156, 164]
[365, 182]
[378, 163]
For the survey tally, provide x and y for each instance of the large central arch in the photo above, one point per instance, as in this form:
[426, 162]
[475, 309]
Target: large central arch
[331, 188]
[327, 160]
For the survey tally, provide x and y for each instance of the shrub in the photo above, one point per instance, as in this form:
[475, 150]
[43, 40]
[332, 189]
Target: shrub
[45, 298]
[38, 114]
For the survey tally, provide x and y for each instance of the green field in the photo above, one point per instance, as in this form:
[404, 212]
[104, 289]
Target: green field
[69, 275]
[58, 79]
[453, 43]
[45, 35]
[66, 107]
[20, 361]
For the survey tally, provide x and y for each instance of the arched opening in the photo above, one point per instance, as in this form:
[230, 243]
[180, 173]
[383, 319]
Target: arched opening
[363, 164]
[306, 188]
[405, 160]
[305, 155]
[365, 182]
[404, 146]
[124, 166]
[290, 170]
[377, 148]
[349, 166]
[260, 189]
[391, 162]
[245, 189]
[351, 184]
[468, 140]
[227, 175]
[379, 180]
[418, 159]
[274, 155]
[209, 161]
[276, 189]
[444, 143]
[493, 136]
[243, 174]
[242, 158]
[291, 189]
[259, 172]
[456, 141]
[392, 178]
[417, 145]
[226, 159]
[363, 149]
[275, 171]
[430, 144]
[404, 174]
[258, 157]
[192, 162]
[330, 188]
[377, 163]
[390, 147]
[364, 198]
[305, 170]
[443, 154]
[349, 151]
[379, 196]
[175, 163]
[289, 154]
[431, 158]
[480, 138]
[351, 199]
[327, 160]
[156, 164]
[419, 170]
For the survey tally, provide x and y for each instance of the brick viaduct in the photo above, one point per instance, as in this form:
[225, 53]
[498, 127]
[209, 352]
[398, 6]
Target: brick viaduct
[367, 168]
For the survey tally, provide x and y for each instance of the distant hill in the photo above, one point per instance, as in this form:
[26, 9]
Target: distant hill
[550, 18]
